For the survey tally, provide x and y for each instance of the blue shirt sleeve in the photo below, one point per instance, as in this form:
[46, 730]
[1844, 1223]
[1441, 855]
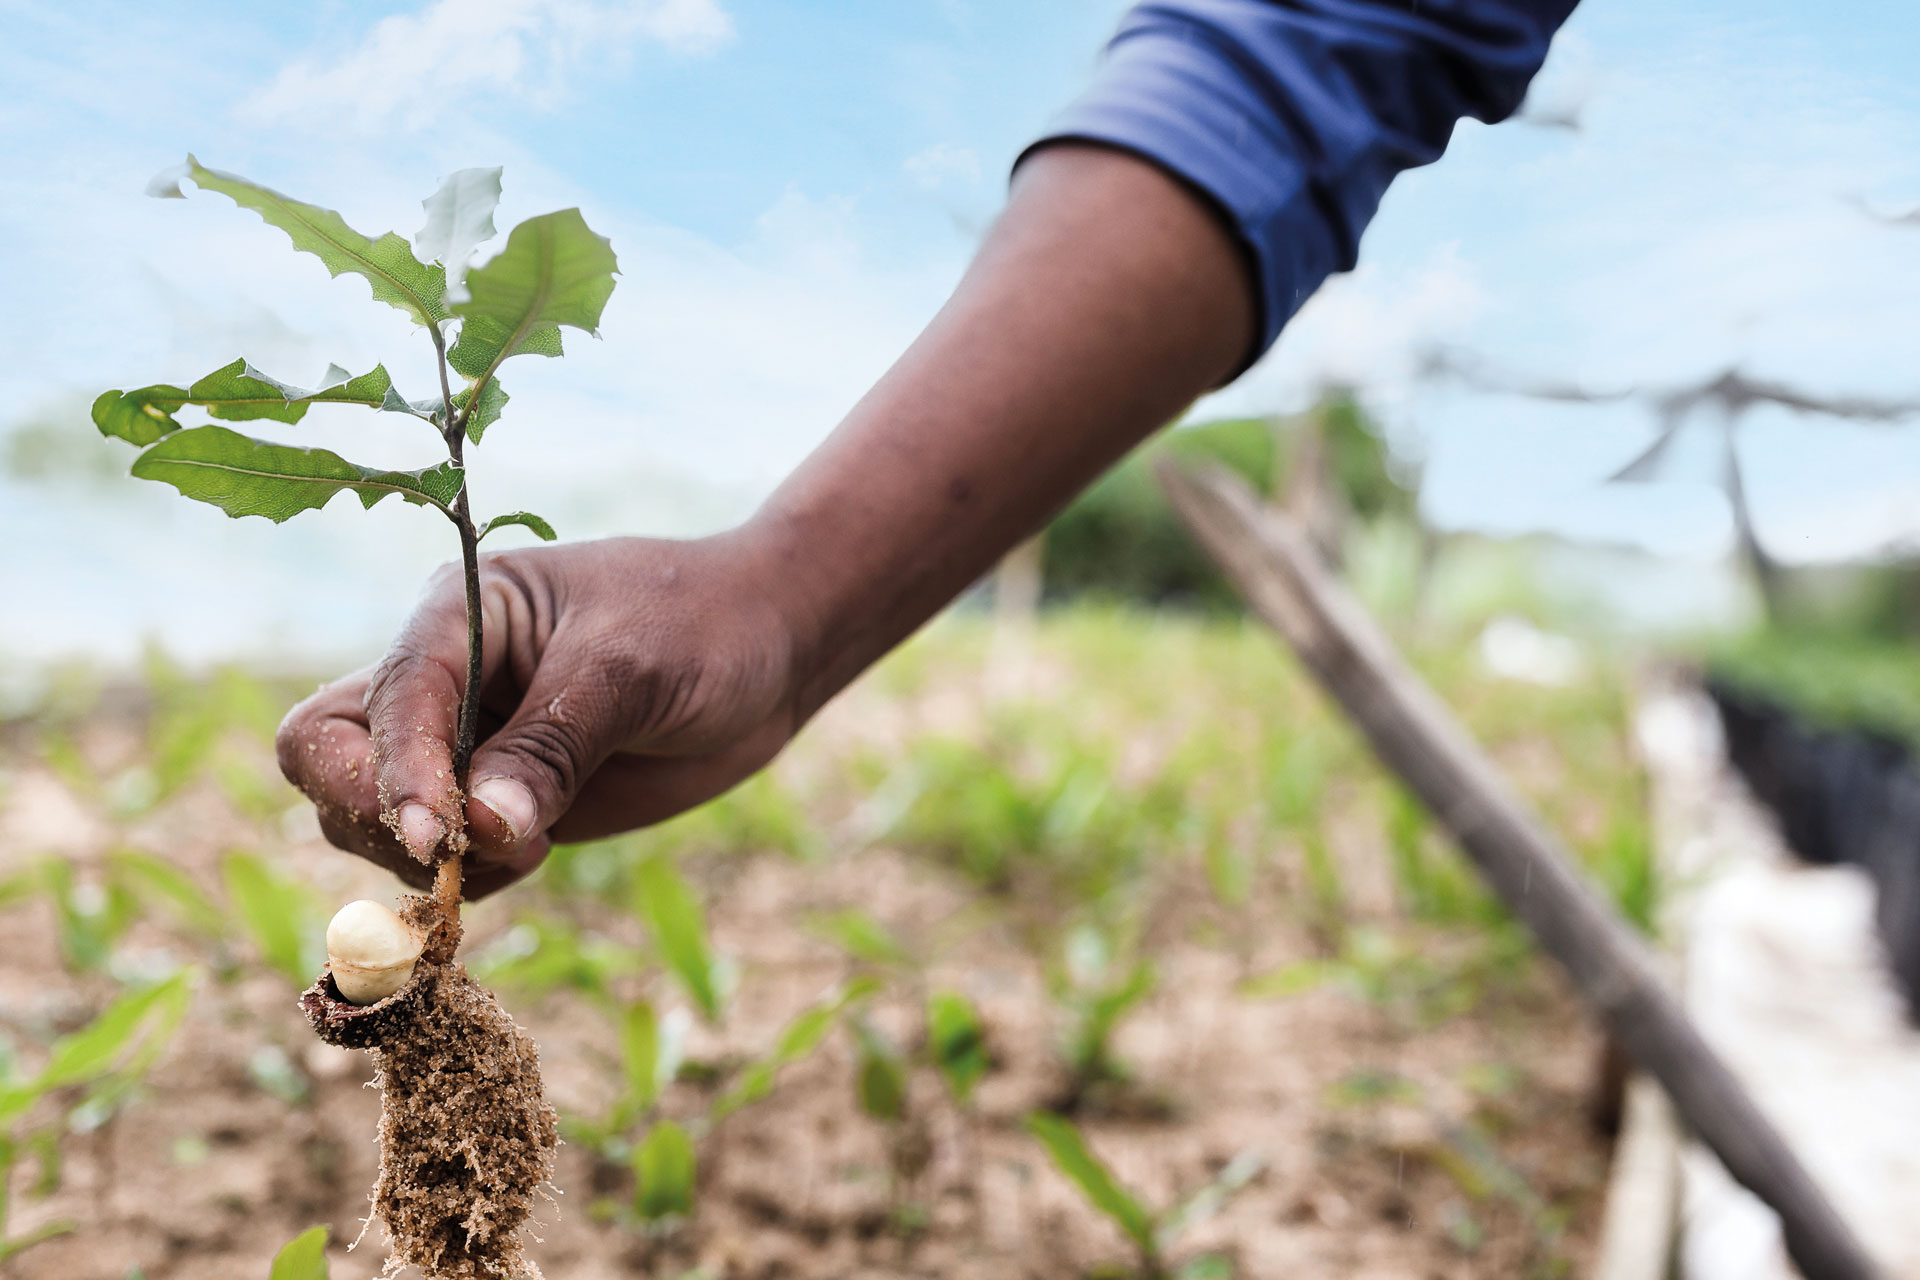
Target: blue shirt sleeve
[1292, 116]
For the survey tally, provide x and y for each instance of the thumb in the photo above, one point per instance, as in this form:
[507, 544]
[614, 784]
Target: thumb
[525, 776]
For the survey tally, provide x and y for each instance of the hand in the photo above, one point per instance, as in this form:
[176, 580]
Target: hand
[623, 682]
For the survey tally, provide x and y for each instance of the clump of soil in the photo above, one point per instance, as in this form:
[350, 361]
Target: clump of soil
[466, 1134]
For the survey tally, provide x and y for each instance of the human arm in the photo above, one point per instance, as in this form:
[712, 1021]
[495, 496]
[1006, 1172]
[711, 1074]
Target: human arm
[631, 679]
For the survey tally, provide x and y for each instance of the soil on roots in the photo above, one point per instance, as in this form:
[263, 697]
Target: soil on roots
[466, 1135]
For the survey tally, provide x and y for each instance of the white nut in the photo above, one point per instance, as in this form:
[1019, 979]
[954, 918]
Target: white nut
[371, 951]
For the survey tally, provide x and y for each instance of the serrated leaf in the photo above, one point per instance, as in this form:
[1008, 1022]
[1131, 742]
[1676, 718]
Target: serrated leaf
[1087, 1172]
[459, 219]
[679, 929]
[387, 263]
[429, 409]
[370, 389]
[302, 1258]
[526, 519]
[493, 402]
[247, 477]
[957, 1041]
[554, 271]
[233, 392]
[141, 416]
[664, 1170]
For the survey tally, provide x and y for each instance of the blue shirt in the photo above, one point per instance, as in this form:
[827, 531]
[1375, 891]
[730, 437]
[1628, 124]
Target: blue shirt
[1292, 116]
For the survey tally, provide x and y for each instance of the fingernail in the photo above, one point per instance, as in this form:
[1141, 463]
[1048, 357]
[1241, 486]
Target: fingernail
[511, 802]
[420, 829]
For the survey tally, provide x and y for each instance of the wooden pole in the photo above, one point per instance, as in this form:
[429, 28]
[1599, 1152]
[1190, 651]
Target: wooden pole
[1417, 737]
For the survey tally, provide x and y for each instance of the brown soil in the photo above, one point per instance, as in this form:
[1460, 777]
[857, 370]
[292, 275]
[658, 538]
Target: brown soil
[466, 1135]
[1477, 1159]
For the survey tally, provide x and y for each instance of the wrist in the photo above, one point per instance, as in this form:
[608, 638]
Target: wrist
[768, 556]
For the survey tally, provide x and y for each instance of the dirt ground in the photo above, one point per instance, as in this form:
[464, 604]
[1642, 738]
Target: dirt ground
[1392, 1150]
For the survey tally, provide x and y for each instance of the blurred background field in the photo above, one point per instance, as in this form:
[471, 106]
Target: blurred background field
[1122, 866]
[1623, 387]
[1091, 847]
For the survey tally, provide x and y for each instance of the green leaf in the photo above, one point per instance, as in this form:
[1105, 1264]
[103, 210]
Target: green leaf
[862, 937]
[302, 1258]
[679, 928]
[1096, 1182]
[459, 218]
[96, 1048]
[1291, 979]
[430, 408]
[247, 477]
[663, 1167]
[388, 265]
[139, 417]
[554, 271]
[799, 1038]
[337, 387]
[1101, 1014]
[280, 916]
[958, 1042]
[158, 880]
[493, 402]
[524, 518]
[640, 1053]
[1210, 1199]
[880, 1078]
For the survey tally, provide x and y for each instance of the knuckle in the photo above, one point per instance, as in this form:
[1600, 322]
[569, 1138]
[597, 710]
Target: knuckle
[557, 751]
[649, 694]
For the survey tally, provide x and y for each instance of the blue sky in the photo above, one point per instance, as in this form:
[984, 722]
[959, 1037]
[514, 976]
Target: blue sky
[793, 188]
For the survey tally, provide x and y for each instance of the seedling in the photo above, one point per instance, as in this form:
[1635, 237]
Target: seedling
[1152, 1234]
[457, 1178]
[107, 1057]
[1098, 988]
[302, 1258]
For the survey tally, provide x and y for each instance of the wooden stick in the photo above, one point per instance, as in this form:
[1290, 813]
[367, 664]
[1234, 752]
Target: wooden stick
[1414, 735]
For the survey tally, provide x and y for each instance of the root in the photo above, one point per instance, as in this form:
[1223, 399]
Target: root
[466, 1135]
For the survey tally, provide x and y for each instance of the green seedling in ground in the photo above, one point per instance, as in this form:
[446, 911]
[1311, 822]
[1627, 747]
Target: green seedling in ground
[102, 1063]
[281, 916]
[679, 927]
[1404, 981]
[797, 1040]
[1153, 1235]
[302, 1258]
[957, 1043]
[663, 1173]
[1098, 987]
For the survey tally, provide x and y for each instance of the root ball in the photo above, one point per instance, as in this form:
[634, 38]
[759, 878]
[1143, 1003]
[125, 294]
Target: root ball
[466, 1135]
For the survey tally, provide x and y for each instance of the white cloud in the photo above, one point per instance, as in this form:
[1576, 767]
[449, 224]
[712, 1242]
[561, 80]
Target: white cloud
[413, 66]
[942, 163]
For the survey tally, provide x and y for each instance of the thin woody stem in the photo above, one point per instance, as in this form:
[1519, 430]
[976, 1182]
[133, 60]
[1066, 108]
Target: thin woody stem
[446, 886]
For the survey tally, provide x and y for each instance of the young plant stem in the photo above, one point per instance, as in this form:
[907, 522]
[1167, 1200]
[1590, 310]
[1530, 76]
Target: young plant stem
[446, 885]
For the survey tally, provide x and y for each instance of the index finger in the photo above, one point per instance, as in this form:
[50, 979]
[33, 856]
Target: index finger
[413, 712]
